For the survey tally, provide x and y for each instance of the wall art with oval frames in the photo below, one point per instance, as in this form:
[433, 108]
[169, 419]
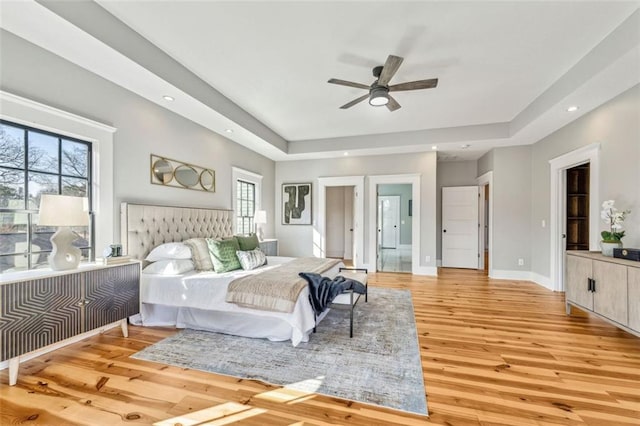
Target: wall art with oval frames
[168, 172]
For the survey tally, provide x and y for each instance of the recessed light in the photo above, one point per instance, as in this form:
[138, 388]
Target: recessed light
[168, 98]
[229, 130]
[465, 146]
[434, 147]
[345, 154]
[573, 108]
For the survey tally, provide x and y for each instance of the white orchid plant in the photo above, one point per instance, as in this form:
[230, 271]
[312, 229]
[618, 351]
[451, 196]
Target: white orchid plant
[614, 218]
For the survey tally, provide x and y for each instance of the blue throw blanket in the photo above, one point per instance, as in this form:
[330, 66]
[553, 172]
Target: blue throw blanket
[323, 290]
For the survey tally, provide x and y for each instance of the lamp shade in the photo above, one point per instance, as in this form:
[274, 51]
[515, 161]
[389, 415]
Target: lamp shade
[260, 217]
[63, 210]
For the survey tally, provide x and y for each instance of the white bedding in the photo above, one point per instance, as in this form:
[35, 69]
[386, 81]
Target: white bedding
[197, 300]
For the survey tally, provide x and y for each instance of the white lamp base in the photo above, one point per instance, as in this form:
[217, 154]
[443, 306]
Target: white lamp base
[260, 234]
[64, 255]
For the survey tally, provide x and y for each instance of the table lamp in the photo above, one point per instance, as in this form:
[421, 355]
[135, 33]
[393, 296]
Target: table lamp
[260, 218]
[64, 212]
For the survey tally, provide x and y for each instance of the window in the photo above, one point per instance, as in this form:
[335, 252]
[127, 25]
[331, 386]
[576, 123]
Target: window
[246, 203]
[34, 162]
[247, 190]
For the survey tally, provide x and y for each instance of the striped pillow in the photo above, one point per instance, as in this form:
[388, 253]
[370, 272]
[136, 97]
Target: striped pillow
[200, 254]
[251, 259]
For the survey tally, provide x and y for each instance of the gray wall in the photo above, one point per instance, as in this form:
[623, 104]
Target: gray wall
[143, 128]
[485, 163]
[404, 191]
[512, 208]
[298, 240]
[451, 173]
[616, 127]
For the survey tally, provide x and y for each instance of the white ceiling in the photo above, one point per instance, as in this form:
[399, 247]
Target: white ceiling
[507, 70]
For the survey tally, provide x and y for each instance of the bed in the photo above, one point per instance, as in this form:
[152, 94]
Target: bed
[196, 300]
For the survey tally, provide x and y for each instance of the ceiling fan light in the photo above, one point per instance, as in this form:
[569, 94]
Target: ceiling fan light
[379, 96]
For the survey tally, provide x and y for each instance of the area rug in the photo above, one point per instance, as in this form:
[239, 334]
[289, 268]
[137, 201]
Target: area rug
[380, 365]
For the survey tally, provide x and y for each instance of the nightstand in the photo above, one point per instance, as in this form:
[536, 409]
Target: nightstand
[44, 309]
[269, 246]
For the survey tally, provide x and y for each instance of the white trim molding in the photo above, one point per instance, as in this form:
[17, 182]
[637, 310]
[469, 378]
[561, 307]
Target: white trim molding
[40, 116]
[320, 233]
[414, 180]
[558, 166]
[503, 274]
[481, 181]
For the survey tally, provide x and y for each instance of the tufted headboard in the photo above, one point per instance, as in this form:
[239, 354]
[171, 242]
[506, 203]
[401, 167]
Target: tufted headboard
[143, 226]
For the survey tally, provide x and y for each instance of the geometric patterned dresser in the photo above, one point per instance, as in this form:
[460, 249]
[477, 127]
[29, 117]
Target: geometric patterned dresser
[39, 311]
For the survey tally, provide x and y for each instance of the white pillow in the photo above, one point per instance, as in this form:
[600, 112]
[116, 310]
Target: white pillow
[169, 251]
[169, 267]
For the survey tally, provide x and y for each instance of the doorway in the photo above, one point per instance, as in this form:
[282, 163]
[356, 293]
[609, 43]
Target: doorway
[394, 227]
[558, 202]
[321, 227]
[339, 216]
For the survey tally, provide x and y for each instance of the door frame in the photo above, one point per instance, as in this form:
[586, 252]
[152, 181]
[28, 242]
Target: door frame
[414, 181]
[398, 209]
[320, 233]
[587, 154]
[482, 181]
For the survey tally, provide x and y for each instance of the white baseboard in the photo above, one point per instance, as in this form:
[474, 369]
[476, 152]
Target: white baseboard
[541, 280]
[58, 345]
[425, 270]
[504, 274]
[438, 263]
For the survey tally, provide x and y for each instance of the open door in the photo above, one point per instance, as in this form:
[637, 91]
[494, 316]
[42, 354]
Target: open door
[460, 227]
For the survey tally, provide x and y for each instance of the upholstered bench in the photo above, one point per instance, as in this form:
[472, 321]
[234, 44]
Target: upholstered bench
[348, 299]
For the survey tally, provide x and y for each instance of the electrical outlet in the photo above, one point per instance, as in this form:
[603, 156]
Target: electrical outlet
[544, 223]
[427, 258]
[521, 262]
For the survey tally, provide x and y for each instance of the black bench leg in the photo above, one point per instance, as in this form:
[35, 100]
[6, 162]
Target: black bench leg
[351, 323]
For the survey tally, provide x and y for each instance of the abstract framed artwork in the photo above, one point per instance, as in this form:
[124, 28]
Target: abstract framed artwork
[296, 203]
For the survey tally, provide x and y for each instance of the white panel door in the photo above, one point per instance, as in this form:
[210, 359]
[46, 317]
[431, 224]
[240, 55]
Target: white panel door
[390, 211]
[460, 227]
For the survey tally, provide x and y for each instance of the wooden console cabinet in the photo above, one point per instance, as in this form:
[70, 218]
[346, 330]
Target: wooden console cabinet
[605, 286]
[40, 308]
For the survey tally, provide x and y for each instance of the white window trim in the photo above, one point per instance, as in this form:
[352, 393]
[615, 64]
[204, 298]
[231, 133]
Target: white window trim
[40, 116]
[248, 176]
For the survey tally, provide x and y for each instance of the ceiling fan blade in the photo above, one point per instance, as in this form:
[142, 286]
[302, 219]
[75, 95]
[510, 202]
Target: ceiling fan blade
[355, 101]
[393, 104]
[415, 85]
[348, 83]
[389, 69]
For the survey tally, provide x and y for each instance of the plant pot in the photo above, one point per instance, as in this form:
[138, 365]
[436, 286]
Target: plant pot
[607, 248]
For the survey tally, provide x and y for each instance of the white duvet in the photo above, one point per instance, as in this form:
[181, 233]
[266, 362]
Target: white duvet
[197, 300]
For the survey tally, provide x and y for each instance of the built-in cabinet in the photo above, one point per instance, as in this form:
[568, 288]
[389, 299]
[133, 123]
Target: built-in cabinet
[578, 208]
[38, 309]
[605, 286]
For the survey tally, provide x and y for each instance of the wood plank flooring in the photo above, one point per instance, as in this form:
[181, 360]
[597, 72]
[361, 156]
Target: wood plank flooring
[493, 352]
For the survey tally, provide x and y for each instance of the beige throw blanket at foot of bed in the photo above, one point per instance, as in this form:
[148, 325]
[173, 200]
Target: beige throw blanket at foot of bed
[277, 289]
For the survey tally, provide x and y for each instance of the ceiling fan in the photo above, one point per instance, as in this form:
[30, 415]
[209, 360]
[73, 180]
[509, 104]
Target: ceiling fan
[379, 90]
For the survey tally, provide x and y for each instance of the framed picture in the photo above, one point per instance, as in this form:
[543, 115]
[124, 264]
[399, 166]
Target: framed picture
[296, 203]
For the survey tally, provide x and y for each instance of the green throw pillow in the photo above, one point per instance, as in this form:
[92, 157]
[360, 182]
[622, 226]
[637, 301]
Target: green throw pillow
[248, 242]
[223, 254]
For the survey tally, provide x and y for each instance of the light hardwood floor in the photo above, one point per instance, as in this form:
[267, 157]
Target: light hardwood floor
[493, 352]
